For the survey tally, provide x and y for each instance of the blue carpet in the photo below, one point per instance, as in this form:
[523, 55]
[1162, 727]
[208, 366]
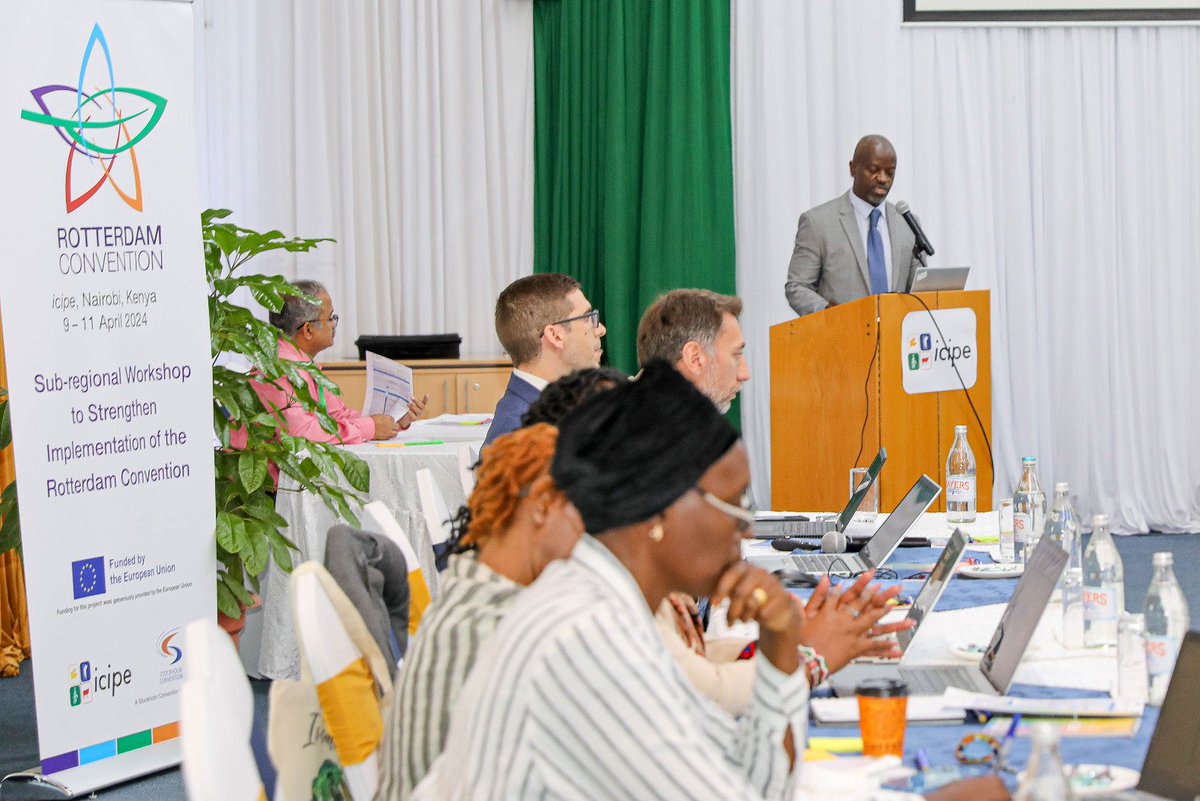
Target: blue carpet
[18, 740]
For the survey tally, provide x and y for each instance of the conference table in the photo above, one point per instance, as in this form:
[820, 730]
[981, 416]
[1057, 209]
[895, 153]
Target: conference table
[394, 465]
[967, 614]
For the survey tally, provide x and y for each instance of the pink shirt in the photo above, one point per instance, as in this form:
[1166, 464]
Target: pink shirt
[353, 427]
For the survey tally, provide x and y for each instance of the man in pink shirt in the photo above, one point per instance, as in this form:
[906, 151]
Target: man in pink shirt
[313, 328]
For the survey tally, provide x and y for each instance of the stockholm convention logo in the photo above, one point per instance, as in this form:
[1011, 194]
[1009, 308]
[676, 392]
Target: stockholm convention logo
[98, 124]
[167, 649]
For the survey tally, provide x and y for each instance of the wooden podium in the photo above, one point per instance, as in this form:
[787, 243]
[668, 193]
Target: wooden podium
[825, 384]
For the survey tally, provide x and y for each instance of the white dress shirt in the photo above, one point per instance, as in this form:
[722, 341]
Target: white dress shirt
[862, 213]
[577, 698]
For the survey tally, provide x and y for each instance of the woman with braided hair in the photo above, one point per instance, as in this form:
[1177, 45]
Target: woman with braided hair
[517, 523]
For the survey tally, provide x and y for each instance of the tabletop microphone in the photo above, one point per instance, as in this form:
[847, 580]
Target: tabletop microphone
[834, 542]
[792, 544]
[910, 218]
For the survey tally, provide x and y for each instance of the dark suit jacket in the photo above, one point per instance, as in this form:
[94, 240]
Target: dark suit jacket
[518, 397]
[829, 262]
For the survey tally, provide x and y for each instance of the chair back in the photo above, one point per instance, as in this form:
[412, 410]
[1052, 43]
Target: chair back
[351, 675]
[433, 508]
[377, 518]
[216, 715]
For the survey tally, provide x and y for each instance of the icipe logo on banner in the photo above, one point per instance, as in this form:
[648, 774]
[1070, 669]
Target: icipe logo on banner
[927, 358]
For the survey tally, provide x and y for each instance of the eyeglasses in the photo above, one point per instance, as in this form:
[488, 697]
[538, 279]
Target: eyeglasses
[333, 318]
[742, 514]
[593, 315]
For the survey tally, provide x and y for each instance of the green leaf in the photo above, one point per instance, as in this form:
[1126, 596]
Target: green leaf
[227, 603]
[357, 471]
[10, 527]
[252, 469]
[5, 423]
[225, 531]
[256, 533]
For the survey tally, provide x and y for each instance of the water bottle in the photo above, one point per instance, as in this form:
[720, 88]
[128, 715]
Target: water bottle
[1103, 587]
[1167, 621]
[1062, 527]
[1029, 510]
[960, 480]
[1072, 607]
[1045, 778]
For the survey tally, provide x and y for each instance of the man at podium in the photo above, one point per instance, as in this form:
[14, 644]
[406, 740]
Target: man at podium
[856, 244]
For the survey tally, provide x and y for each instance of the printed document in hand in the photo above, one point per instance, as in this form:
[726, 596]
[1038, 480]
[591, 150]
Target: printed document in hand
[389, 387]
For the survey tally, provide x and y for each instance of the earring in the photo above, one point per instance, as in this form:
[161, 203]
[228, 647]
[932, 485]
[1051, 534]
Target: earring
[657, 533]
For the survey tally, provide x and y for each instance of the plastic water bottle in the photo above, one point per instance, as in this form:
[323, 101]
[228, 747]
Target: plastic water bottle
[1103, 587]
[1045, 778]
[1167, 621]
[960, 480]
[1029, 510]
[1062, 527]
[1072, 607]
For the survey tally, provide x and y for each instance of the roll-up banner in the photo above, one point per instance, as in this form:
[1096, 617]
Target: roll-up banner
[103, 298]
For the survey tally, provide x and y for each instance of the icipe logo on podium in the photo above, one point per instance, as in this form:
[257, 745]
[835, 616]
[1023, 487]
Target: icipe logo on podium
[929, 360]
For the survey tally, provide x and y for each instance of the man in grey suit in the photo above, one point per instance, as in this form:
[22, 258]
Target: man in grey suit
[854, 245]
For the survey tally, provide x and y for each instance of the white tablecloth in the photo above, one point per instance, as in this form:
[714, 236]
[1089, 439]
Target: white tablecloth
[393, 481]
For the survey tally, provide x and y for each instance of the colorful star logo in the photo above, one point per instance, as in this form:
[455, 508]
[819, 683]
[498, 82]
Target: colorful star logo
[98, 126]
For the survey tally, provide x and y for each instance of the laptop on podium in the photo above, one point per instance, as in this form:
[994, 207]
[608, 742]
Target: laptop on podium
[772, 525]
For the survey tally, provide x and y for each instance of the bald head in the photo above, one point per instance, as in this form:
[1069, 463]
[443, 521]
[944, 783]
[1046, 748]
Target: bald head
[873, 168]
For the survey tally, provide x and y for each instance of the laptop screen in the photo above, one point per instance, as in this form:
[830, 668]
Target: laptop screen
[856, 498]
[1170, 767]
[1022, 614]
[891, 531]
[935, 585]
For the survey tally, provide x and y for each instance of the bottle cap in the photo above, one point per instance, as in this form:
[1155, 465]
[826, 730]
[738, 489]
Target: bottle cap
[1100, 520]
[1062, 486]
[1029, 460]
[1163, 559]
[960, 429]
[1045, 733]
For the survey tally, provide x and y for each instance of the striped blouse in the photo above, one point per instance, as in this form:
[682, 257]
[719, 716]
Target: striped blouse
[458, 623]
[577, 698]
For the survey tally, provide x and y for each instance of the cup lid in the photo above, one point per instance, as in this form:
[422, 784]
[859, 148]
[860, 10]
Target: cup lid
[882, 688]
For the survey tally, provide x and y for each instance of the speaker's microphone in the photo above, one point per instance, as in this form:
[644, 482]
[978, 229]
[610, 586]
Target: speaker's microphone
[833, 542]
[790, 544]
[910, 218]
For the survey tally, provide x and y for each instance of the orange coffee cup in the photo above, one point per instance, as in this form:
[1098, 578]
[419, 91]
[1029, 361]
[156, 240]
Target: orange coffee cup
[882, 716]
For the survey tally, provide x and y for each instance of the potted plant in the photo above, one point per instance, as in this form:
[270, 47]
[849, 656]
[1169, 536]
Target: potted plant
[248, 530]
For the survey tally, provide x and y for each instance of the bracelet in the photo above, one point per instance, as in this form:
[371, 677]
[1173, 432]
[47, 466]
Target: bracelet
[970, 754]
[814, 666]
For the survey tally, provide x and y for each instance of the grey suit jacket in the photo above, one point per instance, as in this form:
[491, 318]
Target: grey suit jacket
[829, 262]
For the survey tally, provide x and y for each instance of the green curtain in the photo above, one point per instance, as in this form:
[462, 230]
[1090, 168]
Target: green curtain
[633, 190]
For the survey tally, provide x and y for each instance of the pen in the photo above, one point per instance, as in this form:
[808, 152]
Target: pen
[408, 444]
[1002, 757]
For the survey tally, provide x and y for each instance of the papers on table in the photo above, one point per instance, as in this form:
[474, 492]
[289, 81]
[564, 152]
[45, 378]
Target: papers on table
[389, 387]
[1042, 707]
[920, 707]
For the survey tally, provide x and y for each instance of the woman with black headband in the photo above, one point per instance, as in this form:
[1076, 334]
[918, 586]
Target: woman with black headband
[577, 698]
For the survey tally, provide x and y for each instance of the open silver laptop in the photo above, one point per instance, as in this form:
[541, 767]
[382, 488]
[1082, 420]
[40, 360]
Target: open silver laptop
[1169, 772]
[939, 279]
[882, 543]
[772, 526]
[931, 592]
[993, 675]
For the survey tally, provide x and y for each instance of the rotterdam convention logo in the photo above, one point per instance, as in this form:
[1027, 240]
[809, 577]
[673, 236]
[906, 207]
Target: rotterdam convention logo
[84, 684]
[87, 577]
[99, 122]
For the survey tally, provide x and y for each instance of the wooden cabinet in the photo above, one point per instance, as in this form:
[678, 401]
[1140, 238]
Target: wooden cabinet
[454, 386]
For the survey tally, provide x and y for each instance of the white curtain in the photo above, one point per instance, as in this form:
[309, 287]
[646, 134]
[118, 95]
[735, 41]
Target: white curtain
[1060, 163]
[404, 130]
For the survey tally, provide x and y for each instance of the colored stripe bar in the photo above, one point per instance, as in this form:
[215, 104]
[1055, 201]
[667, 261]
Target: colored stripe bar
[133, 742]
[167, 732]
[65, 761]
[97, 752]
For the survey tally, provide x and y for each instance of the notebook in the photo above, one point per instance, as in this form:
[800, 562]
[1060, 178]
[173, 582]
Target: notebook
[773, 525]
[883, 542]
[993, 675]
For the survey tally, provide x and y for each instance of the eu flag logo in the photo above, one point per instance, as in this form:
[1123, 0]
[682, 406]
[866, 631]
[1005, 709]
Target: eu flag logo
[87, 577]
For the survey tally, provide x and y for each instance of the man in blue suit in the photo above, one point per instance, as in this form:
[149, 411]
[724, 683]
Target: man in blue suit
[549, 329]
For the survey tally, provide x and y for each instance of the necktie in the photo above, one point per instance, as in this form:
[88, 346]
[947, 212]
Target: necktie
[875, 263]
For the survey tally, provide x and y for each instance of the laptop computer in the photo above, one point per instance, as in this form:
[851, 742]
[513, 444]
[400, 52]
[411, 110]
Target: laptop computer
[939, 279]
[883, 542]
[993, 675]
[1169, 772]
[773, 526]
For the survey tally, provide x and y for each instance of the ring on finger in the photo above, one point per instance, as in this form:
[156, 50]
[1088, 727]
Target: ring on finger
[759, 595]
